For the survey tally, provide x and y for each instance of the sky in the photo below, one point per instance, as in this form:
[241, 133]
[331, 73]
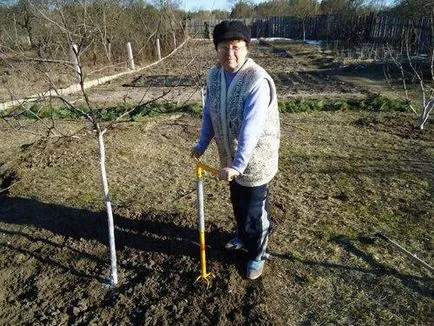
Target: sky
[194, 5]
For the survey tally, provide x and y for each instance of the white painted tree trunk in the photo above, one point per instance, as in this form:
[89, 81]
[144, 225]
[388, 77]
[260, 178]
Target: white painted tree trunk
[74, 59]
[427, 107]
[108, 205]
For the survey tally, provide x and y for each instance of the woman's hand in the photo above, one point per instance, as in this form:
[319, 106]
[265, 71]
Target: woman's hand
[195, 153]
[228, 174]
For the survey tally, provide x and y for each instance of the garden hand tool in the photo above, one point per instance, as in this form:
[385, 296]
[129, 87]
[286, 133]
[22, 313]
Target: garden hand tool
[200, 167]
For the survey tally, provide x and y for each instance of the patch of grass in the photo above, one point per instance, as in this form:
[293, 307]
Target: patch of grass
[194, 109]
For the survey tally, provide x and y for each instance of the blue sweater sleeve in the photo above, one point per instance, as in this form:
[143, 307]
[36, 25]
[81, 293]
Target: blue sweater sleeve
[206, 130]
[255, 111]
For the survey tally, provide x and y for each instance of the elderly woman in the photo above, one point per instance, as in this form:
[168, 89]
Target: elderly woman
[241, 115]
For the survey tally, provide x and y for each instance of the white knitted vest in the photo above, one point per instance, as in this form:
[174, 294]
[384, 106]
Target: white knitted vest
[226, 112]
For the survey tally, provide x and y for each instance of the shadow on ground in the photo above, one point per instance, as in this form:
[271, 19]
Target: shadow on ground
[160, 232]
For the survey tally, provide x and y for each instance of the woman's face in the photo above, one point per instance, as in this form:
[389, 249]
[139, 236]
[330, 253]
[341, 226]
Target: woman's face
[231, 54]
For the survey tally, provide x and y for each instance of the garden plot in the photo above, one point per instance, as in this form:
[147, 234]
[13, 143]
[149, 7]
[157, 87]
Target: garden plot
[343, 176]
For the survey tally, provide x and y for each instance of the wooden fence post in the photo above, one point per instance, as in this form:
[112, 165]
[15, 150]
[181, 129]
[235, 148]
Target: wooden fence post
[74, 60]
[130, 57]
[16, 32]
[158, 49]
[186, 28]
[109, 51]
[174, 39]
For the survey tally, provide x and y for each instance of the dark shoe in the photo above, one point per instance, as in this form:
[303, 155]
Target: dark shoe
[254, 269]
[235, 244]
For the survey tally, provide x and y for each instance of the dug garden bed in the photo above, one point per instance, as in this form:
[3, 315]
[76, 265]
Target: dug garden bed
[340, 182]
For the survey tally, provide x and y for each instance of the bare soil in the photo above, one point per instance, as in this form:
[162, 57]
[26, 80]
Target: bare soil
[343, 176]
[299, 70]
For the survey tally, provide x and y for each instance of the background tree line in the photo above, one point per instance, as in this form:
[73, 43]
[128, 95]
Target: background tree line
[100, 28]
[277, 8]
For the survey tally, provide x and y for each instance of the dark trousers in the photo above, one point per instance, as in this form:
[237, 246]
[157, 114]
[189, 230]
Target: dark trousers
[250, 205]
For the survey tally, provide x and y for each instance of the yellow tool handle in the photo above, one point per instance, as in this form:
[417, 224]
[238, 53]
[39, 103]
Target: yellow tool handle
[204, 274]
[206, 167]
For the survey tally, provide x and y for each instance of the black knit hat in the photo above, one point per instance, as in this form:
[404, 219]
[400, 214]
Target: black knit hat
[230, 30]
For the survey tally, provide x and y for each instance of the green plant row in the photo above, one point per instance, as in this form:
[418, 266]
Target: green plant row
[374, 103]
[108, 113]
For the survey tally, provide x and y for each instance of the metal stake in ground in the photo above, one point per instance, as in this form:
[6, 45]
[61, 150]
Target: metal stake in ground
[200, 167]
[413, 257]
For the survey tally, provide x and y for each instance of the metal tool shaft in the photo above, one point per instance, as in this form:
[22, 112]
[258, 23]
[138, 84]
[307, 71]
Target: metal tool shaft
[201, 222]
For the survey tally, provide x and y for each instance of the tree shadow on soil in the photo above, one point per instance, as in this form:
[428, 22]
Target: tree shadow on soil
[421, 285]
[413, 282]
[159, 232]
[46, 259]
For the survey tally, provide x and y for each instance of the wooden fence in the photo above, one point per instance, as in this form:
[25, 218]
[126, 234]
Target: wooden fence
[352, 30]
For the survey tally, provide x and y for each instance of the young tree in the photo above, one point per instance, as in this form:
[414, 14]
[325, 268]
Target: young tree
[303, 9]
[416, 73]
[75, 24]
[24, 17]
